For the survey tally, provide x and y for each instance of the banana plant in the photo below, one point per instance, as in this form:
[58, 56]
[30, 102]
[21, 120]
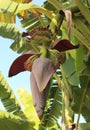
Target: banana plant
[55, 48]
[42, 65]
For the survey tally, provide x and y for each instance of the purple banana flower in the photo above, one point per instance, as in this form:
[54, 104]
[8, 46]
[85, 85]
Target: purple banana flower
[41, 70]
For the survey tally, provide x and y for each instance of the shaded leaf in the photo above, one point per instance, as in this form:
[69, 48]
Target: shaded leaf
[43, 69]
[56, 4]
[84, 10]
[70, 71]
[78, 55]
[53, 108]
[63, 45]
[79, 36]
[68, 99]
[56, 57]
[82, 27]
[18, 65]
[84, 126]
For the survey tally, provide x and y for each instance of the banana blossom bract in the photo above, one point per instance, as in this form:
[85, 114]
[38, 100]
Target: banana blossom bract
[41, 70]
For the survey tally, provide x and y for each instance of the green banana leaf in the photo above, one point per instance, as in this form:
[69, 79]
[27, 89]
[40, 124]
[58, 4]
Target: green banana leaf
[12, 122]
[8, 98]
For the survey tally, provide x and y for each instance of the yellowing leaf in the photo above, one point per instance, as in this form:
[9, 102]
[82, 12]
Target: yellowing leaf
[7, 18]
[18, 1]
[15, 8]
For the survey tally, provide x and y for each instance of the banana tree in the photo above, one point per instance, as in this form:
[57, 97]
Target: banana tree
[55, 48]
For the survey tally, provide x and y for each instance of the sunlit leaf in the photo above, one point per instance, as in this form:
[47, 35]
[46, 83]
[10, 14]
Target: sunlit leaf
[8, 98]
[22, 1]
[16, 8]
[11, 122]
[18, 1]
[9, 31]
[7, 18]
[27, 102]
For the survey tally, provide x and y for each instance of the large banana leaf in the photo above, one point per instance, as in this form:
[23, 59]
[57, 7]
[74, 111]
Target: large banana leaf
[13, 8]
[8, 98]
[9, 31]
[14, 118]
[53, 109]
[77, 34]
[75, 95]
[82, 28]
[7, 18]
[84, 10]
[29, 109]
[84, 126]
[32, 22]
[52, 112]
[78, 56]
[70, 72]
[11, 122]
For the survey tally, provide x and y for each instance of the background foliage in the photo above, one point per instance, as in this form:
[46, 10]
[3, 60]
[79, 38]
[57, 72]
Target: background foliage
[69, 87]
